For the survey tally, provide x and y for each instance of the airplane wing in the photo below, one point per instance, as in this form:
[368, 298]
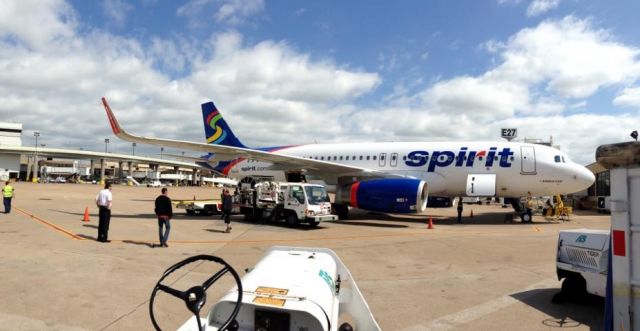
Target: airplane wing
[280, 161]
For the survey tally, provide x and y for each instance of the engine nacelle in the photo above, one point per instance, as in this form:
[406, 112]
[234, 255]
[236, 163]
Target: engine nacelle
[386, 195]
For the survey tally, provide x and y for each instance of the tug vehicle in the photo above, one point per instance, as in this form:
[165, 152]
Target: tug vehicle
[290, 288]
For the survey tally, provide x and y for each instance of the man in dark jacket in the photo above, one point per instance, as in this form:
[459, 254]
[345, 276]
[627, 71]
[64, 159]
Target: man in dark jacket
[227, 205]
[164, 210]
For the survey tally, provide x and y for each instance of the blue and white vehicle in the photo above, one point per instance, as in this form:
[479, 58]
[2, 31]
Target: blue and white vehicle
[389, 177]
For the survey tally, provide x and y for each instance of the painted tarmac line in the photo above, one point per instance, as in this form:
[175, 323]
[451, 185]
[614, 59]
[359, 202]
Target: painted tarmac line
[458, 319]
[250, 241]
[53, 226]
[255, 241]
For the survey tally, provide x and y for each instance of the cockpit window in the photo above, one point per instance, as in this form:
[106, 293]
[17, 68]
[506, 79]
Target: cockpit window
[557, 158]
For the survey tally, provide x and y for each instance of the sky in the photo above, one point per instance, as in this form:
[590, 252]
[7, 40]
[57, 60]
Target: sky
[298, 72]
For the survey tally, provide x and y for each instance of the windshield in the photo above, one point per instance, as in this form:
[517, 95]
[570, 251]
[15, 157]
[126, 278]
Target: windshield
[316, 194]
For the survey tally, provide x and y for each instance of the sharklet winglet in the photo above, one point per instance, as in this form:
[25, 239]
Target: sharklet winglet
[112, 119]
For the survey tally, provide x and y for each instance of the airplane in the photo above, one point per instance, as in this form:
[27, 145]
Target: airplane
[387, 177]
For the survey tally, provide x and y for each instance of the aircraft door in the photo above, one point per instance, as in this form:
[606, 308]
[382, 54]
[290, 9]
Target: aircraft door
[528, 160]
[394, 159]
[382, 160]
[483, 185]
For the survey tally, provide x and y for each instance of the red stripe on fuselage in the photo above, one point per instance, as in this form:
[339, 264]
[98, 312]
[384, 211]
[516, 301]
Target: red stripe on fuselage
[231, 165]
[354, 194]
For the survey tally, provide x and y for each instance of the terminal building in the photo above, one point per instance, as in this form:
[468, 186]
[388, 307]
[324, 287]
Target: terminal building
[10, 135]
[46, 164]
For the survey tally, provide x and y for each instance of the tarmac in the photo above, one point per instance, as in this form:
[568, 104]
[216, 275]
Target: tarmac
[484, 274]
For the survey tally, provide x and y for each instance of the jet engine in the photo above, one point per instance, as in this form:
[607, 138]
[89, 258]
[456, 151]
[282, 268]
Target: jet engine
[386, 195]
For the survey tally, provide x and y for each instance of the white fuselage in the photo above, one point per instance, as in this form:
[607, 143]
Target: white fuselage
[519, 168]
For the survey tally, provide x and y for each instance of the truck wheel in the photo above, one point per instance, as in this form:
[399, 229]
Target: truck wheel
[341, 210]
[526, 218]
[292, 220]
[190, 212]
[313, 224]
[574, 286]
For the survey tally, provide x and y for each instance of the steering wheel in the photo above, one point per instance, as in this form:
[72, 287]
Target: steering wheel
[196, 297]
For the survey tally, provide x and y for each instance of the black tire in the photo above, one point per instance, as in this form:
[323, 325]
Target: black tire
[190, 212]
[292, 220]
[341, 210]
[574, 286]
[526, 218]
[313, 224]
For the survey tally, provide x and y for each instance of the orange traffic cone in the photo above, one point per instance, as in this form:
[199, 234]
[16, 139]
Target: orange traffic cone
[86, 215]
[430, 227]
[471, 213]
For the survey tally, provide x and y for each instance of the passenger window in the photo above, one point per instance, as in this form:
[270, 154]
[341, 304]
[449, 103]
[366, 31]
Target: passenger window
[556, 158]
[322, 158]
[368, 157]
[375, 157]
[382, 157]
[404, 158]
[346, 157]
[340, 157]
[393, 157]
[335, 158]
[353, 158]
[360, 157]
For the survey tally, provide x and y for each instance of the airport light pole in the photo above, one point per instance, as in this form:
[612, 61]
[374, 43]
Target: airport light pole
[106, 143]
[161, 150]
[35, 157]
[133, 149]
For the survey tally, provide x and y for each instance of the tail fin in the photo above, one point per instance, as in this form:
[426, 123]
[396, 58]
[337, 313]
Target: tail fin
[216, 129]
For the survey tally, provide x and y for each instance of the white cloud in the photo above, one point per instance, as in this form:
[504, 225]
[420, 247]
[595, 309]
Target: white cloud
[225, 11]
[52, 81]
[629, 97]
[537, 7]
[36, 22]
[117, 10]
[57, 89]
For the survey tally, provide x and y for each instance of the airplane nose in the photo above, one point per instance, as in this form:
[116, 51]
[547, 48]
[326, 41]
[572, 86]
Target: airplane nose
[583, 178]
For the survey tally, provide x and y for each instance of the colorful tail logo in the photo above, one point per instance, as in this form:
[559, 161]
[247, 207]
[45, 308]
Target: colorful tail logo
[216, 129]
[219, 133]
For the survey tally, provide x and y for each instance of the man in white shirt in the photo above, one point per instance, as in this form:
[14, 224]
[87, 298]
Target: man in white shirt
[103, 201]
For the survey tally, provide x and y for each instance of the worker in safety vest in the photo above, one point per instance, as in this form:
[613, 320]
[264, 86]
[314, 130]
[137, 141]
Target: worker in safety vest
[7, 194]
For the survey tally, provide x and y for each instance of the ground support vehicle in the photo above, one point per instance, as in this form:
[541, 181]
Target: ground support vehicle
[293, 202]
[200, 207]
[623, 161]
[290, 288]
[582, 261]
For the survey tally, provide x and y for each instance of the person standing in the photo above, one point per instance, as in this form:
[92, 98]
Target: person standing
[529, 207]
[8, 192]
[227, 205]
[164, 211]
[104, 200]
[460, 210]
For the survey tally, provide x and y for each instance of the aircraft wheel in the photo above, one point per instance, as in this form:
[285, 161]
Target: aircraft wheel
[526, 218]
[313, 224]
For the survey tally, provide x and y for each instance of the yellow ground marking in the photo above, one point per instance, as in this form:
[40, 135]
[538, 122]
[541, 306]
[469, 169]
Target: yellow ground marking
[538, 229]
[47, 223]
[232, 241]
[255, 241]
